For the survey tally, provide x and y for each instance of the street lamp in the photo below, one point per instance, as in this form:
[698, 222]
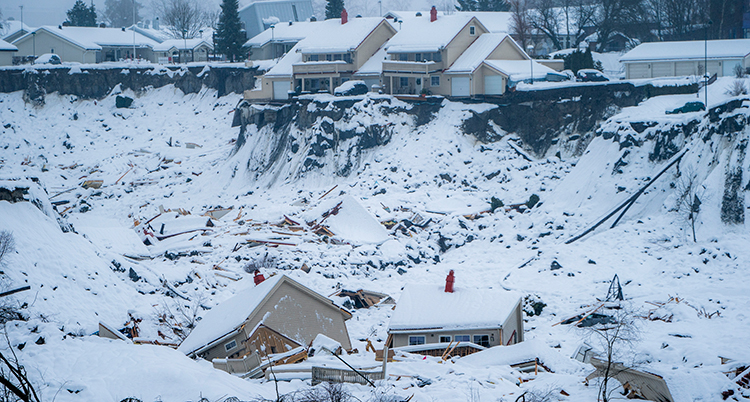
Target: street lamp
[530, 49]
[184, 39]
[273, 45]
[133, 30]
[705, 63]
[33, 40]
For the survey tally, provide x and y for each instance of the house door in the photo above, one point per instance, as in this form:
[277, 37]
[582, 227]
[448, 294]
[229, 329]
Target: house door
[493, 84]
[460, 86]
[281, 89]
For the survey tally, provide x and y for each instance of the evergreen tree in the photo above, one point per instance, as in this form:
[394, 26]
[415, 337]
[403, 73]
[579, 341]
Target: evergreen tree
[82, 15]
[334, 8]
[120, 13]
[467, 5]
[229, 34]
[491, 5]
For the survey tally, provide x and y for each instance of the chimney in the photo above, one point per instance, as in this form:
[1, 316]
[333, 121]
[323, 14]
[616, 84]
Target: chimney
[155, 24]
[433, 14]
[258, 278]
[449, 282]
[344, 16]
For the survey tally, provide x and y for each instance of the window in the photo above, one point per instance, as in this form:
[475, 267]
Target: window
[416, 340]
[445, 338]
[435, 81]
[312, 57]
[329, 57]
[419, 81]
[348, 58]
[482, 340]
[336, 57]
[404, 81]
[403, 57]
[273, 349]
[461, 338]
[294, 11]
[231, 345]
[472, 30]
[437, 56]
[418, 57]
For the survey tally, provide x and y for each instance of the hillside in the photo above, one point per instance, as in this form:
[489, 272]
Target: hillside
[384, 160]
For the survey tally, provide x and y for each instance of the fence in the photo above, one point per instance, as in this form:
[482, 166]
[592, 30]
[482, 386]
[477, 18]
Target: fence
[324, 374]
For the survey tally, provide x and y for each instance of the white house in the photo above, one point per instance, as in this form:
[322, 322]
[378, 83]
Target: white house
[670, 59]
[86, 44]
[260, 15]
[430, 314]
[13, 30]
[7, 51]
[182, 50]
[276, 41]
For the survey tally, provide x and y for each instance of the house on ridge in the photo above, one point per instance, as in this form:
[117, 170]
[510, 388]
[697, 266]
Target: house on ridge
[477, 318]
[261, 15]
[182, 50]
[7, 51]
[278, 40]
[275, 316]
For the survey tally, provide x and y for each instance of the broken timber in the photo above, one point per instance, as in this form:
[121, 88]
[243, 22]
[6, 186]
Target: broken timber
[630, 201]
[14, 291]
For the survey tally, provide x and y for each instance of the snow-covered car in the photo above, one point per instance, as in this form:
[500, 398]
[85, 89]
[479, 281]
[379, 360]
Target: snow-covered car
[350, 88]
[591, 75]
[48, 58]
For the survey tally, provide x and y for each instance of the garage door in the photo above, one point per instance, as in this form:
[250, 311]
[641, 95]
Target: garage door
[685, 68]
[460, 86]
[663, 69]
[493, 85]
[281, 89]
[639, 70]
[729, 66]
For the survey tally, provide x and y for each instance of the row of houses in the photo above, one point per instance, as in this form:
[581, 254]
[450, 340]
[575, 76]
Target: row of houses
[96, 45]
[461, 54]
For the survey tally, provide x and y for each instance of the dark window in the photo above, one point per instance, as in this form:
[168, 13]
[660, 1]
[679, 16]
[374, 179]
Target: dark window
[482, 340]
[418, 57]
[404, 81]
[462, 338]
[336, 57]
[348, 57]
[231, 345]
[313, 57]
[472, 30]
[403, 57]
[445, 338]
[435, 81]
[419, 81]
[294, 11]
[273, 349]
[416, 340]
[437, 56]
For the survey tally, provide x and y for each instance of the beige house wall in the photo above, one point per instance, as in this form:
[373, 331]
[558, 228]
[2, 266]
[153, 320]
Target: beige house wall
[48, 43]
[266, 90]
[507, 51]
[372, 43]
[461, 42]
[6, 58]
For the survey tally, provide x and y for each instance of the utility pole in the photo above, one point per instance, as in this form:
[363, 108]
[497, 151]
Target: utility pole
[21, 7]
[133, 30]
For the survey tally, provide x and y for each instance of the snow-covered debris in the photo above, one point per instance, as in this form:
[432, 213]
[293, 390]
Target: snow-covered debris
[347, 220]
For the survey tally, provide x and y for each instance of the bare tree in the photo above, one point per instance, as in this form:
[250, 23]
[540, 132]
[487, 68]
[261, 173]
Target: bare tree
[181, 316]
[183, 18]
[615, 336]
[546, 19]
[520, 24]
[690, 197]
[13, 379]
[7, 244]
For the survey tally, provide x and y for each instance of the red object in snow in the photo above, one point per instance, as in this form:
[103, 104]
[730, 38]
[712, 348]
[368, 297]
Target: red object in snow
[344, 16]
[433, 14]
[449, 282]
[258, 278]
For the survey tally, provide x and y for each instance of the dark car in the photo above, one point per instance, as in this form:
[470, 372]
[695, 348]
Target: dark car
[591, 75]
[688, 107]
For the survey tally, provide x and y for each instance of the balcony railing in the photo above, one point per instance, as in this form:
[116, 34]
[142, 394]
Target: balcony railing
[411, 67]
[323, 67]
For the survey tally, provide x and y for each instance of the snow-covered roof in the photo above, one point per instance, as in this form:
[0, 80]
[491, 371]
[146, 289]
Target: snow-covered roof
[688, 50]
[429, 307]
[284, 68]
[331, 36]
[518, 70]
[7, 47]
[227, 316]
[495, 22]
[473, 57]
[11, 27]
[374, 65]
[351, 221]
[159, 35]
[418, 34]
[181, 44]
[94, 38]
[285, 32]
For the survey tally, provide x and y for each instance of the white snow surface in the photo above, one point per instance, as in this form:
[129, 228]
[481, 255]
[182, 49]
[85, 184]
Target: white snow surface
[689, 50]
[5, 46]
[429, 306]
[331, 36]
[75, 283]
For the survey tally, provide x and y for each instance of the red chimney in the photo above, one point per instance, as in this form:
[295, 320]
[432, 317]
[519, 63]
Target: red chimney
[344, 16]
[433, 17]
[258, 278]
[449, 282]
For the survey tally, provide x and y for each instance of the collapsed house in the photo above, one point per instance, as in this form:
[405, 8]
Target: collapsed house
[277, 316]
[428, 319]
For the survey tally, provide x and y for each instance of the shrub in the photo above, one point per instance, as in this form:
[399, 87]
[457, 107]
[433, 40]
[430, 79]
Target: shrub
[737, 88]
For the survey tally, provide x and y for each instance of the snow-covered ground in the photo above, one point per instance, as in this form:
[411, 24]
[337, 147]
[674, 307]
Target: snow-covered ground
[175, 151]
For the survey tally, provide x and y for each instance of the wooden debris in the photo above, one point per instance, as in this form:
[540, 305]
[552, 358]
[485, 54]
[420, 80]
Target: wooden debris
[218, 213]
[328, 192]
[95, 184]
[14, 291]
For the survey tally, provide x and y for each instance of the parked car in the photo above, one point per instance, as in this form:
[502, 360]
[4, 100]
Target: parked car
[591, 75]
[48, 58]
[688, 107]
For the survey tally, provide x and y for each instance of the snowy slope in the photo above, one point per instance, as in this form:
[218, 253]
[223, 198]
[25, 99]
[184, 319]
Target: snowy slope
[431, 170]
